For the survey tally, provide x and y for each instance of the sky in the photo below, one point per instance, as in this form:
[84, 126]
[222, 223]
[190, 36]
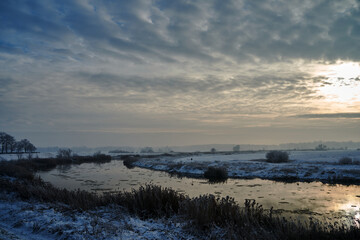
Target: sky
[157, 73]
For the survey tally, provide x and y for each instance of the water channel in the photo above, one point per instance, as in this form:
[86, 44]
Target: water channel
[323, 201]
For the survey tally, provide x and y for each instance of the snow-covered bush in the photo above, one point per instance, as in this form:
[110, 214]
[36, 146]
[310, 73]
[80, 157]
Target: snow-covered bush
[277, 156]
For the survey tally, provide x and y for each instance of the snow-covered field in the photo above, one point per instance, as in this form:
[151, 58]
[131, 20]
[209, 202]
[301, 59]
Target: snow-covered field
[304, 165]
[34, 220]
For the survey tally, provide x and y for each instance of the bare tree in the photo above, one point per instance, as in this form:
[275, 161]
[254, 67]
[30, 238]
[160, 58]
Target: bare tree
[147, 150]
[6, 141]
[2, 141]
[10, 145]
[64, 153]
[19, 147]
[25, 143]
[236, 148]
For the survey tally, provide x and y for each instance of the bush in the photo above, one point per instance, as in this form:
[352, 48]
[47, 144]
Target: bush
[216, 174]
[345, 160]
[129, 161]
[277, 157]
[64, 153]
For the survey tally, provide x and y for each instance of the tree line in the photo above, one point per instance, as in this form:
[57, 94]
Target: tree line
[10, 145]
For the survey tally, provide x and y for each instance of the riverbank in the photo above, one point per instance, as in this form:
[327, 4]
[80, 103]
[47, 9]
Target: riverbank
[324, 166]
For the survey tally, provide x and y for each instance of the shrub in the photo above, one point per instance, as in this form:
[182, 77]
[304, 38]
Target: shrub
[129, 161]
[345, 160]
[101, 157]
[216, 174]
[64, 153]
[277, 157]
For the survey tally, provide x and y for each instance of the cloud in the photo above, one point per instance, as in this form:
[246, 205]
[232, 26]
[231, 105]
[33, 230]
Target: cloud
[202, 30]
[66, 64]
[330, 115]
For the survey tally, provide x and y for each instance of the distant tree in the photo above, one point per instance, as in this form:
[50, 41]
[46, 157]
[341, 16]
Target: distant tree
[321, 147]
[31, 148]
[147, 150]
[19, 146]
[6, 142]
[10, 145]
[236, 148]
[213, 150]
[25, 144]
[64, 153]
[2, 141]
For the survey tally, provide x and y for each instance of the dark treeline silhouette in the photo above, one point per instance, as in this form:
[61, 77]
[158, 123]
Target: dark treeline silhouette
[10, 145]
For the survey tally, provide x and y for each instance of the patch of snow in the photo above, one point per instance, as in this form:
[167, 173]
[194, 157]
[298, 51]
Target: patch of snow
[34, 220]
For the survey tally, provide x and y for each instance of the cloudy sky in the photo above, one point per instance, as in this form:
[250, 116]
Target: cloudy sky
[96, 73]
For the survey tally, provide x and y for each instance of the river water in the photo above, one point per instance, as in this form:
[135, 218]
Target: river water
[323, 201]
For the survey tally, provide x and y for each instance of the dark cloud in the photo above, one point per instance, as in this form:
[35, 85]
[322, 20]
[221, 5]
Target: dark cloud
[198, 30]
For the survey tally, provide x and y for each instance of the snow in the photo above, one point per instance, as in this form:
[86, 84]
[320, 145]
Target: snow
[34, 220]
[304, 165]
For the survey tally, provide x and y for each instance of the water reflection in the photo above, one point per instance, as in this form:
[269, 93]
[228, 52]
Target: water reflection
[315, 198]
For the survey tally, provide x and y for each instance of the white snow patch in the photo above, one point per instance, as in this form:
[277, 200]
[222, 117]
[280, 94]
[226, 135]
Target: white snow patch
[34, 220]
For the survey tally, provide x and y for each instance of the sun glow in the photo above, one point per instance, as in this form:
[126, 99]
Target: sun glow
[341, 83]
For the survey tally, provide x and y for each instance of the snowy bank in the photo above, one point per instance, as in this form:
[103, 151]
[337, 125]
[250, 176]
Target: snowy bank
[34, 220]
[303, 165]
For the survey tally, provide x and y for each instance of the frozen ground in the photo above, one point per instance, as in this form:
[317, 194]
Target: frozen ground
[34, 220]
[304, 165]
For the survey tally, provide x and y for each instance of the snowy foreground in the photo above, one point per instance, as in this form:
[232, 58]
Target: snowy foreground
[303, 165]
[34, 220]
